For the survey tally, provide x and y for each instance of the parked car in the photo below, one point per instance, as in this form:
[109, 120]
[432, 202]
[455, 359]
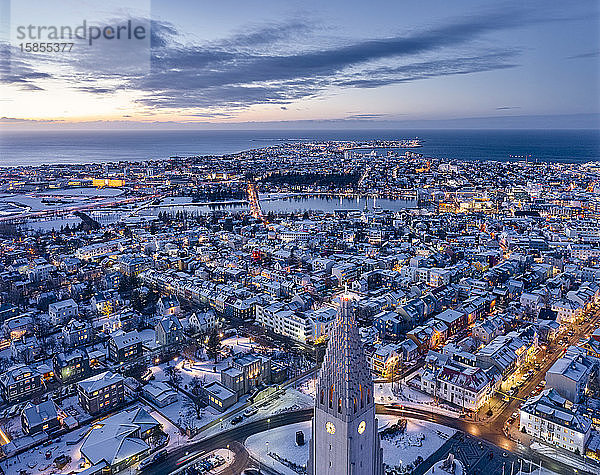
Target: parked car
[237, 420]
[157, 457]
[62, 460]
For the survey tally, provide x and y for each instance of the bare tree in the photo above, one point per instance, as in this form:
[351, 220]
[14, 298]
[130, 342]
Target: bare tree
[174, 375]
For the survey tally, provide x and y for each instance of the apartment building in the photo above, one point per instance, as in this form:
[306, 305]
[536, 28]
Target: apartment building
[101, 392]
[548, 417]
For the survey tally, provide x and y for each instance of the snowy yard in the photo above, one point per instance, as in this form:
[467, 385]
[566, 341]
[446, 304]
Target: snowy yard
[175, 437]
[308, 387]
[206, 370]
[35, 460]
[183, 413]
[385, 394]
[238, 344]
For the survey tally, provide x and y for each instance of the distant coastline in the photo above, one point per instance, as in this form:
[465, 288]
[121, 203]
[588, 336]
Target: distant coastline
[24, 148]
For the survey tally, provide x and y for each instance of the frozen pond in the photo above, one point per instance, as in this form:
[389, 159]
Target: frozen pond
[282, 204]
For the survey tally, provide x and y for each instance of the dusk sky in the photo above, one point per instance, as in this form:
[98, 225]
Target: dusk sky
[352, 63]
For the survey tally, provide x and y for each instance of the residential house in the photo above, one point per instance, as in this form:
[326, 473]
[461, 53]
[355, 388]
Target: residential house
[71, 365]
[119, 441]
[123, 347]
[19, 382]
[101, 392]
[77, 333]
[62, 311]
[40, 417]
[169, 331]
[570, 374]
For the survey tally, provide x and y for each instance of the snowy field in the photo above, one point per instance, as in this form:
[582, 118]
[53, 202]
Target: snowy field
[308, 387]
[183, 414]
[175, 437]
[238, 344]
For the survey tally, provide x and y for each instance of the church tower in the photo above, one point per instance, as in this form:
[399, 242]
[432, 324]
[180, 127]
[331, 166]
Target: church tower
[345, 440]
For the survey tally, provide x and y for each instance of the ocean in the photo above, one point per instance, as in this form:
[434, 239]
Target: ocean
[20, 148]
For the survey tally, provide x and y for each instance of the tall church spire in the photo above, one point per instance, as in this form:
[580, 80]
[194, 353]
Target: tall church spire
[344, 386]
[345, 438]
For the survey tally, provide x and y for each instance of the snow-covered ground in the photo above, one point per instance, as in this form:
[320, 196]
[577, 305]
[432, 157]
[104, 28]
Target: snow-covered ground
[183, 414]
[206, 370]
[384, 393]
[281, 441]
[437, 468]
[408, 396]
[71, 407]
[421, 438]
[238, 344]
[175, 436]
[12, 427]
[308, 387]
[35, 461]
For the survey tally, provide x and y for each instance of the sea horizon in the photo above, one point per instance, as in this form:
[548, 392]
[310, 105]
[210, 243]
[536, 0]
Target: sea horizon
[47, 147]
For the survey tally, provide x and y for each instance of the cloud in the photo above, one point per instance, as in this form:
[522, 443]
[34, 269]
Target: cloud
[268, 34]
[266, 65]
[239, 71]
[505, 108]
[17, 72]
[365, 116]
[590, 54]
[384, 76]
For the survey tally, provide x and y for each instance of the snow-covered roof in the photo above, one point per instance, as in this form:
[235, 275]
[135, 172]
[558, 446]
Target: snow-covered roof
[37, 414]
[118, 438]
[218, 391]
[126, 339]
[99, 381]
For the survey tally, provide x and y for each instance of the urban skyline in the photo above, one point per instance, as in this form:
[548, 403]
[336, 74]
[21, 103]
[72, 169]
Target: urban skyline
[300, 238]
